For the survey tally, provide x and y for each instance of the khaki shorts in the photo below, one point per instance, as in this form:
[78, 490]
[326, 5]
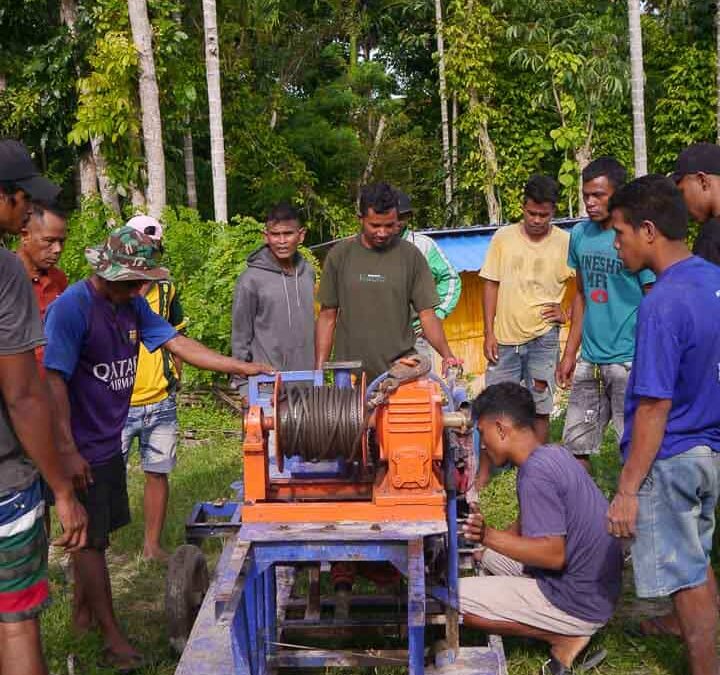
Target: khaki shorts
[511, 596]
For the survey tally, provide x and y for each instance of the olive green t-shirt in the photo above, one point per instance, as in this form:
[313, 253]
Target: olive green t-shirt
[375, 292]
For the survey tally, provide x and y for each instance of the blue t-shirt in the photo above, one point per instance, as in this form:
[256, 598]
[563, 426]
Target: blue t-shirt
[94, 345]
[557, 497]
[612, 294]
[677, 357]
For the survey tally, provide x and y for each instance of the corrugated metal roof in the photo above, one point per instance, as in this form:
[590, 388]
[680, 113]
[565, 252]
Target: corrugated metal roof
[465, 251]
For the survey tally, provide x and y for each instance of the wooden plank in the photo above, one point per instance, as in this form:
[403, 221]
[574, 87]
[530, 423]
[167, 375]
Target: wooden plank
[340, 531]
[326, 658]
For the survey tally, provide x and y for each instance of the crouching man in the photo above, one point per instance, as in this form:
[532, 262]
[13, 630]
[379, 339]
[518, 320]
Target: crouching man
[565, 567]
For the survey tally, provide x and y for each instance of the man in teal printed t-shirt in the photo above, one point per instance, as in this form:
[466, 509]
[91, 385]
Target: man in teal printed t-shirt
[604, 314]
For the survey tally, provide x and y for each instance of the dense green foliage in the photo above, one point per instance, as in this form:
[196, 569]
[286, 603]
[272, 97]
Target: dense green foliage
[307, 85]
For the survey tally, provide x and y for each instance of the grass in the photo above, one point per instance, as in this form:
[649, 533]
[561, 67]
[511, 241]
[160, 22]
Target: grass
[205, 470]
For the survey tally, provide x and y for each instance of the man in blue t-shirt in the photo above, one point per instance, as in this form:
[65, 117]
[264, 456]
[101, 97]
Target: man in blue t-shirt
[94, 331]
[669, 484]
[604, 313]
[555, 574]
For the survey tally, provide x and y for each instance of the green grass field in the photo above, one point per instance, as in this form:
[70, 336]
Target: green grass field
[205, 470]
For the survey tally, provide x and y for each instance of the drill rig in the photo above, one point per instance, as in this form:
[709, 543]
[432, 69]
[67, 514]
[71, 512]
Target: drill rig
[338, 473]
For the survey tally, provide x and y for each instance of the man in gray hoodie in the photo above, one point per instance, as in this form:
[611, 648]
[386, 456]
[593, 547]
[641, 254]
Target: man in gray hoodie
[273, 317]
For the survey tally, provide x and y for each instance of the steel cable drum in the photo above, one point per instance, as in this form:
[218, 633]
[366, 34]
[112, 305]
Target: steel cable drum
[319, 423]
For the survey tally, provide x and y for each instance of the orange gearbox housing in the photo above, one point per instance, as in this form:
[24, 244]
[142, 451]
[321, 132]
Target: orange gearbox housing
[407, 484]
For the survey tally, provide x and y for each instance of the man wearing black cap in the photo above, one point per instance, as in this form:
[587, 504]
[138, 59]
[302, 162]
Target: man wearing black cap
[27, 440]
[697, 174]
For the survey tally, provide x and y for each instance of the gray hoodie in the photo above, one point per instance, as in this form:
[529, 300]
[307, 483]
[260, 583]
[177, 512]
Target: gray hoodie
[273, 314]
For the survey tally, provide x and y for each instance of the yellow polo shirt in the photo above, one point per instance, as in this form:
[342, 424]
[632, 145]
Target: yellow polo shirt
[156, 375]
[530, 274]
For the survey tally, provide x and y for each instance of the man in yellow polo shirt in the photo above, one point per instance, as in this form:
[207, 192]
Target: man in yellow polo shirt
[525, 276]
[152, 418]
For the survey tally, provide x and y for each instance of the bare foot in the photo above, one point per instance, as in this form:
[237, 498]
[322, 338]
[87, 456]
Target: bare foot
[156, 553]
[565, 648]
[125, 661]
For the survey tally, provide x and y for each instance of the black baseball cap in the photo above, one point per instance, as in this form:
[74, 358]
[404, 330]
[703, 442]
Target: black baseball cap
[17, 167]
[697, 158]
[404, 203]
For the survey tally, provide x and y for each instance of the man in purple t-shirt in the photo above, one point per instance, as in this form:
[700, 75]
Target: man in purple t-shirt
[94, 331]
[555, 574]
[669, 486]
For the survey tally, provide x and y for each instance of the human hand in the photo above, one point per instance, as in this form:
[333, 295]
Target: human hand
[622, 515]
[565, 371]
[553, 313]
[475, 528]
[77, 470]
[450, 362]
[490, 348]
[74, 521]
[255, 369]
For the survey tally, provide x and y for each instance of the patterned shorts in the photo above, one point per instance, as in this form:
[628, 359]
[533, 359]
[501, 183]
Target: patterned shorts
[24, 589]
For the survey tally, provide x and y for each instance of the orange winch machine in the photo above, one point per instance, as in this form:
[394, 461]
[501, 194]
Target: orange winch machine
[391, 451]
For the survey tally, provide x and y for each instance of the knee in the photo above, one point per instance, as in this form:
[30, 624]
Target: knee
[540, 386]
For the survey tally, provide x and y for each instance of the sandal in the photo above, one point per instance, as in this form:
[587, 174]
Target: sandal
[121, 663]
[553, 667]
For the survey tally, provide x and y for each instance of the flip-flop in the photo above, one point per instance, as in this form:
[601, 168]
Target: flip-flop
[553, 667]
[125, 664]
[658, 628]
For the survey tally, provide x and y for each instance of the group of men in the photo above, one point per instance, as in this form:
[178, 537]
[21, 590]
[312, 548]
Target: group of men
[644, 320]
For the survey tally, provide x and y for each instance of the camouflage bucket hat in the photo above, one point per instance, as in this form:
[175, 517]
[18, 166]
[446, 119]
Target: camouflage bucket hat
[127, 255]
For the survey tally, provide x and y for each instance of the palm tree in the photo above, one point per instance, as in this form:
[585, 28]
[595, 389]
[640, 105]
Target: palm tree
[637, 81]
[217, 143]
[150, 106]
[447, 162]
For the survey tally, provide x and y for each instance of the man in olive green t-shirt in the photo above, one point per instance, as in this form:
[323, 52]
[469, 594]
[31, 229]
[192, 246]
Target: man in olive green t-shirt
[369, 287]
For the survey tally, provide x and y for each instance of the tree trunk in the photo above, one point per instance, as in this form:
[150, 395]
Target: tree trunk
[68, 14]
[150, 105]
[454, 158]
[583, 155]
[443, 104]
[372, 157]
[638, 88]
[217, 145]
[189, 157]
[487, 148]
[107, 192]
[717, 60]
[87, 174]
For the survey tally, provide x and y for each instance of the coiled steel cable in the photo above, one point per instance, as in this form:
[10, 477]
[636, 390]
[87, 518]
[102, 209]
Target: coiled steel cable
[321, 423]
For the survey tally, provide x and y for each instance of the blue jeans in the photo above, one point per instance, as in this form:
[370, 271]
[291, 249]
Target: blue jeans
[675, 524]
[535, 361]
[156, 428]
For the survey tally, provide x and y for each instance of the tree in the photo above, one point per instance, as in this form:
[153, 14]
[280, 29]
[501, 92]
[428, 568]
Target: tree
[150, 107]
[217, 143]
[637, 80]
[717, 60]
[447, 162]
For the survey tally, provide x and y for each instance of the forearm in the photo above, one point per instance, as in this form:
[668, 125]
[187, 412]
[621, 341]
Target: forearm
[324, 335]
[576, 325]
[198, 355]
[32, 419]
[648, 432]
[489, 305]
[60, 407]
[544, 552]
[434, 333]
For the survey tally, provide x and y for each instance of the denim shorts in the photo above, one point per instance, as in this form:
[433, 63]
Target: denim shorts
[535, 360]
[156, 428]
[676, 519]
[597, 397]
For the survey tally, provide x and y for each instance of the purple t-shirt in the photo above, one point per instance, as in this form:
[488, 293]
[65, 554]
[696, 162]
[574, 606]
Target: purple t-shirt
[558, 498]
[677, 357]
[94, 345]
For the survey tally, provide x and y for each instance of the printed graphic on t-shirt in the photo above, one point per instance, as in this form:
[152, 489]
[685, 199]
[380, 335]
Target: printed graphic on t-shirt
[119, 375]
[372, 278]
[597, 268]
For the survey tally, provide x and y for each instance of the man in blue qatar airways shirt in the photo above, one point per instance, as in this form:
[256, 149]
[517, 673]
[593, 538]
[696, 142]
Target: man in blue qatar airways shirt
[669, 485]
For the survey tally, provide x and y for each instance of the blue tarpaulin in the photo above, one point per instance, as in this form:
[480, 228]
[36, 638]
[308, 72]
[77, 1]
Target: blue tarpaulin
[465, 251]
